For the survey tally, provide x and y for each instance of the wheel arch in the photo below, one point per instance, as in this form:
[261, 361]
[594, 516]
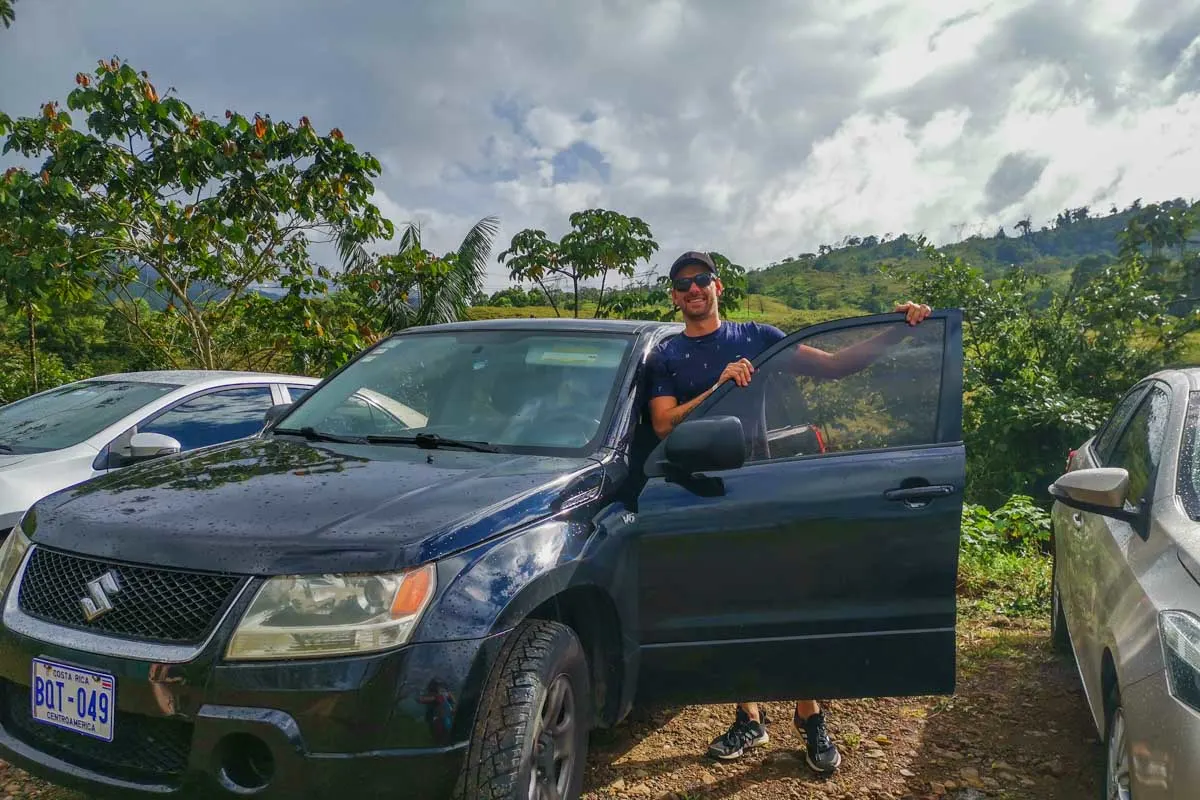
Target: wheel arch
[591, 613]
[546, 572]
[1110, 687]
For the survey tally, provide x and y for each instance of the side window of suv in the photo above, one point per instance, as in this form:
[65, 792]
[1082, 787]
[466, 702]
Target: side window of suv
[215, 417]
[1139, 448]
[888, 396]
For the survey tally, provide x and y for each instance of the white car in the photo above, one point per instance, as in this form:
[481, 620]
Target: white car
[66, 435]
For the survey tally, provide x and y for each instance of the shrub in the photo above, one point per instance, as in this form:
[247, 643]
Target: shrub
[1003, 567]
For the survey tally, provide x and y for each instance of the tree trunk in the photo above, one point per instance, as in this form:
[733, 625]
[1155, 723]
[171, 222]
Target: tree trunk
[550, 297]
[600, 301]
[33, 370]
[575, 282]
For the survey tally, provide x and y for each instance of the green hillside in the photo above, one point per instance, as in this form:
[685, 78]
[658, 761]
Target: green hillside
[852, 272]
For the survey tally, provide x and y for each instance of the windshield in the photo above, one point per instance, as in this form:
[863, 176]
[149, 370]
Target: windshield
[68, 415]
[519, 390]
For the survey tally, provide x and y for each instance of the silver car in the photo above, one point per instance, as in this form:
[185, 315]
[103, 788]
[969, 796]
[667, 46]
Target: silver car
[69, 434]
[1126, 586]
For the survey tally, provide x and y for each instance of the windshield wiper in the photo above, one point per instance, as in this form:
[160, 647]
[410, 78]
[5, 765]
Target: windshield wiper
[314, 435]
[431, 441]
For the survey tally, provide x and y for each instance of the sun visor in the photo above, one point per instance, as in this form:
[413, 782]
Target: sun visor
[584, 352]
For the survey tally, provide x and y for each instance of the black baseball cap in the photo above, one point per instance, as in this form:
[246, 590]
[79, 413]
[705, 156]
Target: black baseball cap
[693, 257]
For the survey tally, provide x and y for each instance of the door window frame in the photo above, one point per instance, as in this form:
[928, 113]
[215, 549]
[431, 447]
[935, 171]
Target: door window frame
[1145, 390]
[947, 427]
[1116, 421]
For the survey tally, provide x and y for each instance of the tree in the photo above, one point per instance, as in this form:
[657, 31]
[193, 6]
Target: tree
[733, 280]
[532, 256]
[599, 242]
[415, 287]
[1040, 377]
[177, 209]
[35, 260]
[6, 12]
[603, 241]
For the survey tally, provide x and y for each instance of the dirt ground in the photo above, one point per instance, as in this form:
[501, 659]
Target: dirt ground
[1016, 728]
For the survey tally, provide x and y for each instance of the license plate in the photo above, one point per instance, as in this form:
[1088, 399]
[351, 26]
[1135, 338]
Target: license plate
[76, 699]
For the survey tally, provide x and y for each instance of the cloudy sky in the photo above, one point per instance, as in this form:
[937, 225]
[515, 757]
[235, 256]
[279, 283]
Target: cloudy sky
[759, 128]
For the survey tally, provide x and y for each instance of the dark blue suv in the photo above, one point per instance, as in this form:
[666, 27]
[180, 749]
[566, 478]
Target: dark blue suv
[439, 570]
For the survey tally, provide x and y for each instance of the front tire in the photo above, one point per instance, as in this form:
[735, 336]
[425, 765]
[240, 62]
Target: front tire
[1059, 638]
[531, 733]
[1117, 766]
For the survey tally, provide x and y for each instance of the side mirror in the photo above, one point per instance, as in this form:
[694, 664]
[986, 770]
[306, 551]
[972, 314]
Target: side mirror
[275, 413]
[1102, 490]
[144, 446]
[705, 445]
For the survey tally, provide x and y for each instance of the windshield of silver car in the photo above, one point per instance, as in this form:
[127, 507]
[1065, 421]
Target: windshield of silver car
[68, 415]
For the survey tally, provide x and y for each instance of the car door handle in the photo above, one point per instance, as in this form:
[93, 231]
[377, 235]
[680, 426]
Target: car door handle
[918, 493]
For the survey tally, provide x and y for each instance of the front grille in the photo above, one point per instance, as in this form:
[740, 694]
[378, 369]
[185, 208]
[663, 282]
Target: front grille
[159, 605]
[142, 747]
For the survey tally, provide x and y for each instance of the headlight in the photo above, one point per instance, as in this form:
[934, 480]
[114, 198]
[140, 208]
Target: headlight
[12, 553]
[332, 615]
[1181, 650]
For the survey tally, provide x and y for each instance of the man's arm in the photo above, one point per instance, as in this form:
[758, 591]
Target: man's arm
[818, 363]
[666, 412]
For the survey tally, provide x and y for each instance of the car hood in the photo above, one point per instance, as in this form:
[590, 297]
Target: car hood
[26, 477]
[272, 506]
[7, 460]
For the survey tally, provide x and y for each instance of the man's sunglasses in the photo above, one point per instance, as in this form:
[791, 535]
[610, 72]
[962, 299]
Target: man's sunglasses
[702, 280]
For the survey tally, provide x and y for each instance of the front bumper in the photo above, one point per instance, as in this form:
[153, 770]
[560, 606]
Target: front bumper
[1164, 736]
[389, 725]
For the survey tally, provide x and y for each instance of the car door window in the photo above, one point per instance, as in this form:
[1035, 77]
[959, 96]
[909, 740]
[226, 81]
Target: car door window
[1139, 447]
[1113, 426]
[214, 417]
[888, 399]
[296, 392]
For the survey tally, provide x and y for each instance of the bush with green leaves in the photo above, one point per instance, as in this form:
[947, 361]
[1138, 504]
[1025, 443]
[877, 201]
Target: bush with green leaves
[17, 380]
[1043, 369]
[1003, 567]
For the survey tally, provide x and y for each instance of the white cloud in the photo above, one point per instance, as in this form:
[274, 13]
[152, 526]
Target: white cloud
[759, 129]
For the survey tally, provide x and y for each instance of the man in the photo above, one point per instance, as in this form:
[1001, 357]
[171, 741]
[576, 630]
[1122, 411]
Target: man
[686, 369]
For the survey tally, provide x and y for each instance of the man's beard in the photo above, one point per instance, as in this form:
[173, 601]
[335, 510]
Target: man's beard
[704, 312]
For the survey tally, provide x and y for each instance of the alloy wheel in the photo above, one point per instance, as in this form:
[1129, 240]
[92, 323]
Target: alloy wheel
[1117, 768]
[554, 754]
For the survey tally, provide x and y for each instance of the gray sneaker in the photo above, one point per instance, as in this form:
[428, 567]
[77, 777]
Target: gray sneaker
[742, 735]
[822, 756]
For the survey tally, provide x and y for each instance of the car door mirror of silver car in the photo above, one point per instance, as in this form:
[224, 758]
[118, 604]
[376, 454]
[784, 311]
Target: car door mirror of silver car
[143, 446]
[1103, 490]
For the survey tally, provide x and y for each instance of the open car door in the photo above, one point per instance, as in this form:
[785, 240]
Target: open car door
[818, 559]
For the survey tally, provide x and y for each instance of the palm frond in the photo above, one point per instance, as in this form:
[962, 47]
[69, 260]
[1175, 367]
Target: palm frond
[446, 297]
[411, 238]
[443, 297]
[354, 257]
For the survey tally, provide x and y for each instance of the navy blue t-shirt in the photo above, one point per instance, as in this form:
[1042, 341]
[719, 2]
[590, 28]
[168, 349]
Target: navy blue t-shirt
[684, 367]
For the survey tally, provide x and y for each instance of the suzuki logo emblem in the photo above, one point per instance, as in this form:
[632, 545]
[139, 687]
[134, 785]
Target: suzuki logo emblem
[97, 603]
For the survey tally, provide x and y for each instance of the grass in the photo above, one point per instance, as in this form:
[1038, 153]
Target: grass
[1003, 581]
